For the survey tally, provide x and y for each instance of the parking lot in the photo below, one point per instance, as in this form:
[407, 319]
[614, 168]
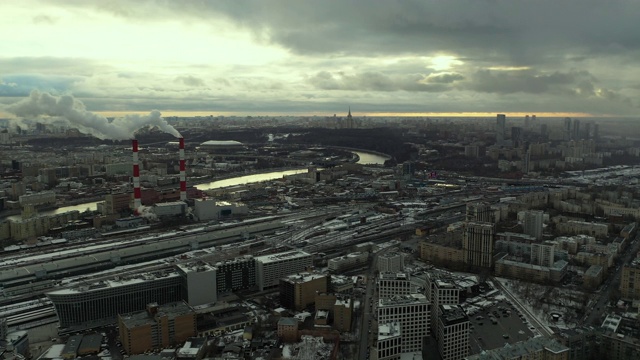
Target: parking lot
[496, 326]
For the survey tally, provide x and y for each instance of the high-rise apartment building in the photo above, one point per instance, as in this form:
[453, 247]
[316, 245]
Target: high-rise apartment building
[453, 333]
[516, 136]
[533, 223]
[412, 313]
[501, 124]
[543, 254]
[566, 129]
[479, 211]
[478, 243]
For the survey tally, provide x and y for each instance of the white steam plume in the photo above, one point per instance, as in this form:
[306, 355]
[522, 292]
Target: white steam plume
[147, 213]
[66, 108]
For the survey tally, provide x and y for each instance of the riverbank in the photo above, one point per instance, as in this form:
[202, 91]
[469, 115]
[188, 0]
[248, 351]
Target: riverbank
[221, 181]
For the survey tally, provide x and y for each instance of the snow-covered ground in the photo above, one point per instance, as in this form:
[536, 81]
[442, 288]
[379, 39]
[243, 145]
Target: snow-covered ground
[545, 301]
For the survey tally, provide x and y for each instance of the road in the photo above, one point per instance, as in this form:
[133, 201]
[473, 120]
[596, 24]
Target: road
[594, 313]
[542, 329]
[363, 352]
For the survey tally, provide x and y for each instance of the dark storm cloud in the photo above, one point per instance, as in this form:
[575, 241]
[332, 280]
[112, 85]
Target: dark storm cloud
[518, 32]
[375, 81]
[571, 55]
[445, 78]
[526, 81]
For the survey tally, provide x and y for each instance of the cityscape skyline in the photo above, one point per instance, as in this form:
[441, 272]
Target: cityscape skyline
[576, 59]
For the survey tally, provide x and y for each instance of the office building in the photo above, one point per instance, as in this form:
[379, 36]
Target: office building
[440, 291]
[236, 274]
[393, 284]
[453, 333]
[533, 223]
[391, 262]
[116, 203]
[477, 244]
[500, 129]
[412, 313]
[350, 261]
[389, 344]
[271, 268]
[198, 283]
[298, 291]
[156, 328]
[90, 305]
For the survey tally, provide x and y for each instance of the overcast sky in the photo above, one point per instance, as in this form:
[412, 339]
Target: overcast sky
[319, 57]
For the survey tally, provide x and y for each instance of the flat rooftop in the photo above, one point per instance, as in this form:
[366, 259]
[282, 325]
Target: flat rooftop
[171, 310]
[289, 255]
[388, 330]
[117, 282]
[453, 314]
[303, 277]
[403, 300]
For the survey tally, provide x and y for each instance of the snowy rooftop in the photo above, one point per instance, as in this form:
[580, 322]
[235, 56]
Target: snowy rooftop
[388, 330]
[116, 282]
[303, 277]
[289, 255]
[403, 300]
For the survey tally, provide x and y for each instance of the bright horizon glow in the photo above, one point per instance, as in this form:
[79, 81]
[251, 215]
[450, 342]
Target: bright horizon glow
[237, 58]
[358, 114]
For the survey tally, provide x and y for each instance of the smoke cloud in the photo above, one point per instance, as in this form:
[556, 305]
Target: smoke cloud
[72, 112]
[147, 213]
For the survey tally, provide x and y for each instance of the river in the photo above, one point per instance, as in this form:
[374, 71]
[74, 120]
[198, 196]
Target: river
[365, 158]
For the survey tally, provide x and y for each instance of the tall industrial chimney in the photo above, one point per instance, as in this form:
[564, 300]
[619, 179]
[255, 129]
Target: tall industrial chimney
[183, 176]
[137, 195]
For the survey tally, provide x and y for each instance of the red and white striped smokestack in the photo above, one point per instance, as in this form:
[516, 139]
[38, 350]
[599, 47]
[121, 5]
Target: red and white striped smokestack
[183, 175]
[137, 195]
